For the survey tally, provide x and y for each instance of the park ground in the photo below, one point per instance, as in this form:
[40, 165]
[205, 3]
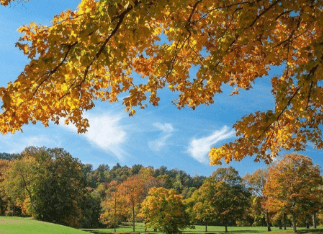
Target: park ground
[211, 230]
[18, 225]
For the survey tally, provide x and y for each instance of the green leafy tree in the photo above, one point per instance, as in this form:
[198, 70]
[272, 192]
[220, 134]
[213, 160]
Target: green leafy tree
[48, 183]
[4, 200]
[230, 198]
[200, 207]
[20, 177]
[91, 209]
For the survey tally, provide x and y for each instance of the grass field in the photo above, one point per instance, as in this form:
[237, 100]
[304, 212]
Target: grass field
[15, 225]
[211, 229]
[18, 225]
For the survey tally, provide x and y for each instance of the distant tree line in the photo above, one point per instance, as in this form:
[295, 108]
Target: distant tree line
[51, 185]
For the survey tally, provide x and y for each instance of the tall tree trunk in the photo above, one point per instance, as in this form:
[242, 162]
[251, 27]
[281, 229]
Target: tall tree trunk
[268, 223]
[314, 219]
[294, 222]
[206, 226]
[307, 222]
[226, 225]
[284, 221]
[133, 218]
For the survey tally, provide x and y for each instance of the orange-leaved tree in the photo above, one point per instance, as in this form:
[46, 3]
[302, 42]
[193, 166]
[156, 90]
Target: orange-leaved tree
[293, 186]
[93, 52]
[163, 209]
[133, 191]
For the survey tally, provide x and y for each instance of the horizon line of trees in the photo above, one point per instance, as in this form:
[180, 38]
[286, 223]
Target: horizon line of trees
[51, 185]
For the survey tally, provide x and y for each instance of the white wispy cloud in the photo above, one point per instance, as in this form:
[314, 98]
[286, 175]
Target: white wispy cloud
[199, 147]
[105, 132]
[167, 130]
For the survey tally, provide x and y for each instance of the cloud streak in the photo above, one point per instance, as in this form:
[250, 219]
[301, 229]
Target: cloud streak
[105, 132]
[167, 130]
[199, 147]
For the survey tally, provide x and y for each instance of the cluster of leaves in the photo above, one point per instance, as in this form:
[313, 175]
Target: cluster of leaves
[91, 53]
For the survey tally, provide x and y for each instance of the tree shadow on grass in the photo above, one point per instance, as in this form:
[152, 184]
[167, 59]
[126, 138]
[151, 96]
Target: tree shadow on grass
[186, 232]
[94, 231]
[222, 232]
[229, 232]
[104, 232]
[235, 232]
[310, 231]
[244, 231]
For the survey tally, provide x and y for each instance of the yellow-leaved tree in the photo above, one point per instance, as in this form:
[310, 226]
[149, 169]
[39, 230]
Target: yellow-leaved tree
[164, 210]
[112, 206]
[91, 54]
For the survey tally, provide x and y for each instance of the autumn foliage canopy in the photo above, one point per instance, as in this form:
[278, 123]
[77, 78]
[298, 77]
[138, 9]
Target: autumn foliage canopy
[92, 54]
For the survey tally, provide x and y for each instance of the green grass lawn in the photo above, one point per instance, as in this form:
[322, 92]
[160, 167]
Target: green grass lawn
[15, 225]
[211, 229]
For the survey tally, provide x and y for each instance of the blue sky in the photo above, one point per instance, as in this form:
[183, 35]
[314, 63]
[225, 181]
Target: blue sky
[156, 136]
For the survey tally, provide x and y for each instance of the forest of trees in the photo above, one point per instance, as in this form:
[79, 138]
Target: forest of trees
[53, 186]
